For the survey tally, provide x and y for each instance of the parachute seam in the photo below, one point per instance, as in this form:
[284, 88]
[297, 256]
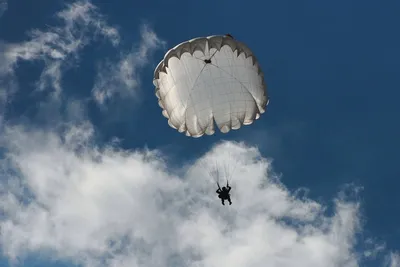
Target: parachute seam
[190, 96]
[255, 101]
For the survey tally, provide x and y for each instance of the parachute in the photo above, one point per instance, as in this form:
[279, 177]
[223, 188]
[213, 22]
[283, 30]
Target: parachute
[207, 81]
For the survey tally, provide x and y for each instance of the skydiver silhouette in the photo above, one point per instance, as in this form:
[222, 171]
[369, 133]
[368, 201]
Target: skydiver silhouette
[223, 193]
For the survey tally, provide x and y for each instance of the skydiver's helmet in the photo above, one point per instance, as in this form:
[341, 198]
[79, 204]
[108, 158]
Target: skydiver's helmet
[223, 188]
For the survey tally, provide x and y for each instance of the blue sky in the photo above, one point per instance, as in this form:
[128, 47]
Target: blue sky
[80, 124]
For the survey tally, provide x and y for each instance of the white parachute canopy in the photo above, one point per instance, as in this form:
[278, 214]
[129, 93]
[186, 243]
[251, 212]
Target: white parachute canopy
[209, 79]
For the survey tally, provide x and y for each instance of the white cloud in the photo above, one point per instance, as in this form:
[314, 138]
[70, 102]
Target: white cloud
[121, 77]
[394, 260]
[109, 207]
[58, 47]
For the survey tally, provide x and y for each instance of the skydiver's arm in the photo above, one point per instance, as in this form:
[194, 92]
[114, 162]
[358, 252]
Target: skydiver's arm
[229, 188]
[218, 191]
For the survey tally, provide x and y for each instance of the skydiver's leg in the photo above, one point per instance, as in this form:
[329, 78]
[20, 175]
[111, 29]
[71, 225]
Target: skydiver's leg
[229, 199]
[223, 201]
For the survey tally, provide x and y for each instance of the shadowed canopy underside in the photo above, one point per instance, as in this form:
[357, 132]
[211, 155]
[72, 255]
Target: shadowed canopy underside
[210, 79]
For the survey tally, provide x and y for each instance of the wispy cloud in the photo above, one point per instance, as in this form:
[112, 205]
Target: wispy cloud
[59, 46]
[122, 77]
[3, 7]
[108, 207]
[8, 83]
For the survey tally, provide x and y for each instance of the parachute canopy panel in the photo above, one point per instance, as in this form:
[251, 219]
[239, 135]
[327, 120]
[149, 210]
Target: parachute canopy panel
[209, 79]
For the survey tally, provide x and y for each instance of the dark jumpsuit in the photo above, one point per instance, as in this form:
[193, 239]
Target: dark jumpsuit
[223, 194]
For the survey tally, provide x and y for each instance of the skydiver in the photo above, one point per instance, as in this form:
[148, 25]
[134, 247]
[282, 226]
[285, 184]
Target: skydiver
[223, 193]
